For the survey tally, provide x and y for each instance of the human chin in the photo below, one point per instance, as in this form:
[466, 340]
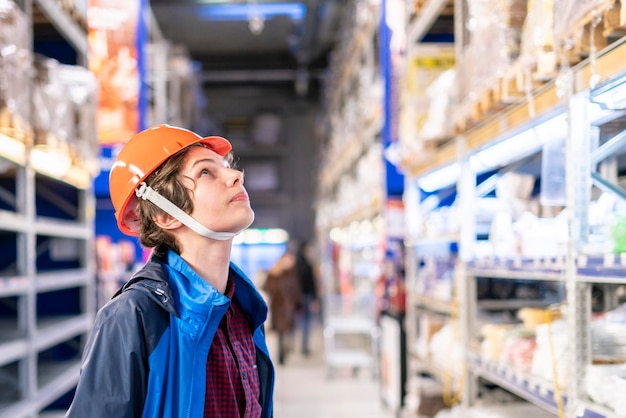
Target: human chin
[251, 217]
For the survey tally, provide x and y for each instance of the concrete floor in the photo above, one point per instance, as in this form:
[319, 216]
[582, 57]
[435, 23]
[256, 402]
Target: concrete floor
[305, 390]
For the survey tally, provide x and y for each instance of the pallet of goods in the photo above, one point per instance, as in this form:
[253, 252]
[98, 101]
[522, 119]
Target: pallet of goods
[15, 70]
[494, 43]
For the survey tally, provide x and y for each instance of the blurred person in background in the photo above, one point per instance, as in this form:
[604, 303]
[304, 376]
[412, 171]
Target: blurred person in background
[285, 301]
[184, 336]
[308, 287]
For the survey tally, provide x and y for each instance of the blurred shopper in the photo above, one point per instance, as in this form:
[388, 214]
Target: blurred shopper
[308, 287]
[285, 300]
[184, 336]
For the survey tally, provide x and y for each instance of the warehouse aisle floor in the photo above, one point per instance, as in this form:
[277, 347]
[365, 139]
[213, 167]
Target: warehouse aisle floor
[303, 389]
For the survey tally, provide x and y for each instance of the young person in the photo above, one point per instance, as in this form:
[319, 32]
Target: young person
[184, 336]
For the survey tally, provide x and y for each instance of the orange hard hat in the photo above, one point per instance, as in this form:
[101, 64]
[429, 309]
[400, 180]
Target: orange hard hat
[143, 154]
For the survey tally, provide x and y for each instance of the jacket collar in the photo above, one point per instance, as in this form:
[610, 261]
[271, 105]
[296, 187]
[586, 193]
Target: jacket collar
[152, 278]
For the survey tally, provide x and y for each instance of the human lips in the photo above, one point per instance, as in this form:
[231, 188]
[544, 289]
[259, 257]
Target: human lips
[240, 197]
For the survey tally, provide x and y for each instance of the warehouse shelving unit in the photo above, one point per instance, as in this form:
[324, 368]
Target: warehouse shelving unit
[578, 269]
[47, 267]
[352, 152]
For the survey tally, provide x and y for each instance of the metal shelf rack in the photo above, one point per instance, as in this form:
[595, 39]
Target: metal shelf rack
[47, 267]
[577, 270]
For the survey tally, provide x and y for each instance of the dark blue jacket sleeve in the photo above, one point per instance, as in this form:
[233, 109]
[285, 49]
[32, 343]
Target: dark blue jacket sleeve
[114, 371]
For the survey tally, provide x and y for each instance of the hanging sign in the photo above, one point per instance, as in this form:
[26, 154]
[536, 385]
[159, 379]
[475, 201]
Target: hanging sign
[113, 57]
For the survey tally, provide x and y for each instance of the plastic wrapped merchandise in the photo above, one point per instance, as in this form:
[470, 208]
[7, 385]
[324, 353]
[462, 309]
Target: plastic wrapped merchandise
[608, 336]
[447, 353]
[495, 33]
[571, 13]
[538, 36]
[82, 129]
[52, 118]
[551, 338]
[605, 384]
[442, 97]
[493, 340]
[15, 72]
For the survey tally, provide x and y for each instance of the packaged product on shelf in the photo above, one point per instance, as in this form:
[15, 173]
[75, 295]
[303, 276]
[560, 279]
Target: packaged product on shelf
[429, 325]
[52, 111]
[608, 336]
[425, 64]
[533, 317]
[605, 384]
[542, 237]
[493, 340]
[82, 133]
[537, 44]
[15, 72]
[551, 350]
[441, 100]
[573, 15]
[494, 40]
[447, 354]
[519, 349]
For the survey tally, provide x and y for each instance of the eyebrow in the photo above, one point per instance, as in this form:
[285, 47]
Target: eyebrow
[212, 161]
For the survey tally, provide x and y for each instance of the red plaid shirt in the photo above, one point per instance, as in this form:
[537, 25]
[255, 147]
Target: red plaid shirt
[232, 387]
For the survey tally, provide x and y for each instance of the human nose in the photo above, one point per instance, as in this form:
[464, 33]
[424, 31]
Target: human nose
[235, 177]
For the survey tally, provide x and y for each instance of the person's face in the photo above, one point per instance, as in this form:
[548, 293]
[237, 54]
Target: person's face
[220, 201]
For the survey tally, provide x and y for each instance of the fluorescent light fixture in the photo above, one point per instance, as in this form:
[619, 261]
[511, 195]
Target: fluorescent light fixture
[12, 149]
[261, 236]
[78, 176]
[53, 164]
[242, 12]
[498, 153]
[520, 145]
[276, 236]
[501, 152]
[440, 178]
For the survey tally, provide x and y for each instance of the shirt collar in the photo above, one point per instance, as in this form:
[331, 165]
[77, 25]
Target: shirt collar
[230, 287]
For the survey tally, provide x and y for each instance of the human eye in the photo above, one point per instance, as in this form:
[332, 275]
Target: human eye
[206, 171]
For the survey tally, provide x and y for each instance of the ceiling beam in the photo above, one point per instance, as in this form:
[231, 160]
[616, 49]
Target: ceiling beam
[238, 76]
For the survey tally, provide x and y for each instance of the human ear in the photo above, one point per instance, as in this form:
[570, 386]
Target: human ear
[166, 221]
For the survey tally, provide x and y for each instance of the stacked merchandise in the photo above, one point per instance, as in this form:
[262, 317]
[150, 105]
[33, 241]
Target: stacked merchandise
[64, 114]
[606, 377]
[45, 104]
[567, 22]
[427, 98]
[495, 29]
[15, 65]
[537, 44]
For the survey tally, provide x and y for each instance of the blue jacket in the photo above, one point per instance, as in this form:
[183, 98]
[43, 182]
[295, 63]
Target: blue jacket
[146, 354]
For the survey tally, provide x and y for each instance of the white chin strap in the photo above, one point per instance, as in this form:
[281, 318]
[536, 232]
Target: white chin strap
[148, 193]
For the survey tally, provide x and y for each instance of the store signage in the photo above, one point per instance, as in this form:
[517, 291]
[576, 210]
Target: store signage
[113, 58]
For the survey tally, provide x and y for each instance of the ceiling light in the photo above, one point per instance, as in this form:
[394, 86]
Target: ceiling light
[12, 149]
[51, 162]
[242, 12]
[519, 146]
[440, 178]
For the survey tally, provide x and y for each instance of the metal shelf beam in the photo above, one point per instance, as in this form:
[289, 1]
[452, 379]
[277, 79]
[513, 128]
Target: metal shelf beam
[65, 25]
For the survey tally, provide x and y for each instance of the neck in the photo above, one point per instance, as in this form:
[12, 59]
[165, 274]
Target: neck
[210, 259]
